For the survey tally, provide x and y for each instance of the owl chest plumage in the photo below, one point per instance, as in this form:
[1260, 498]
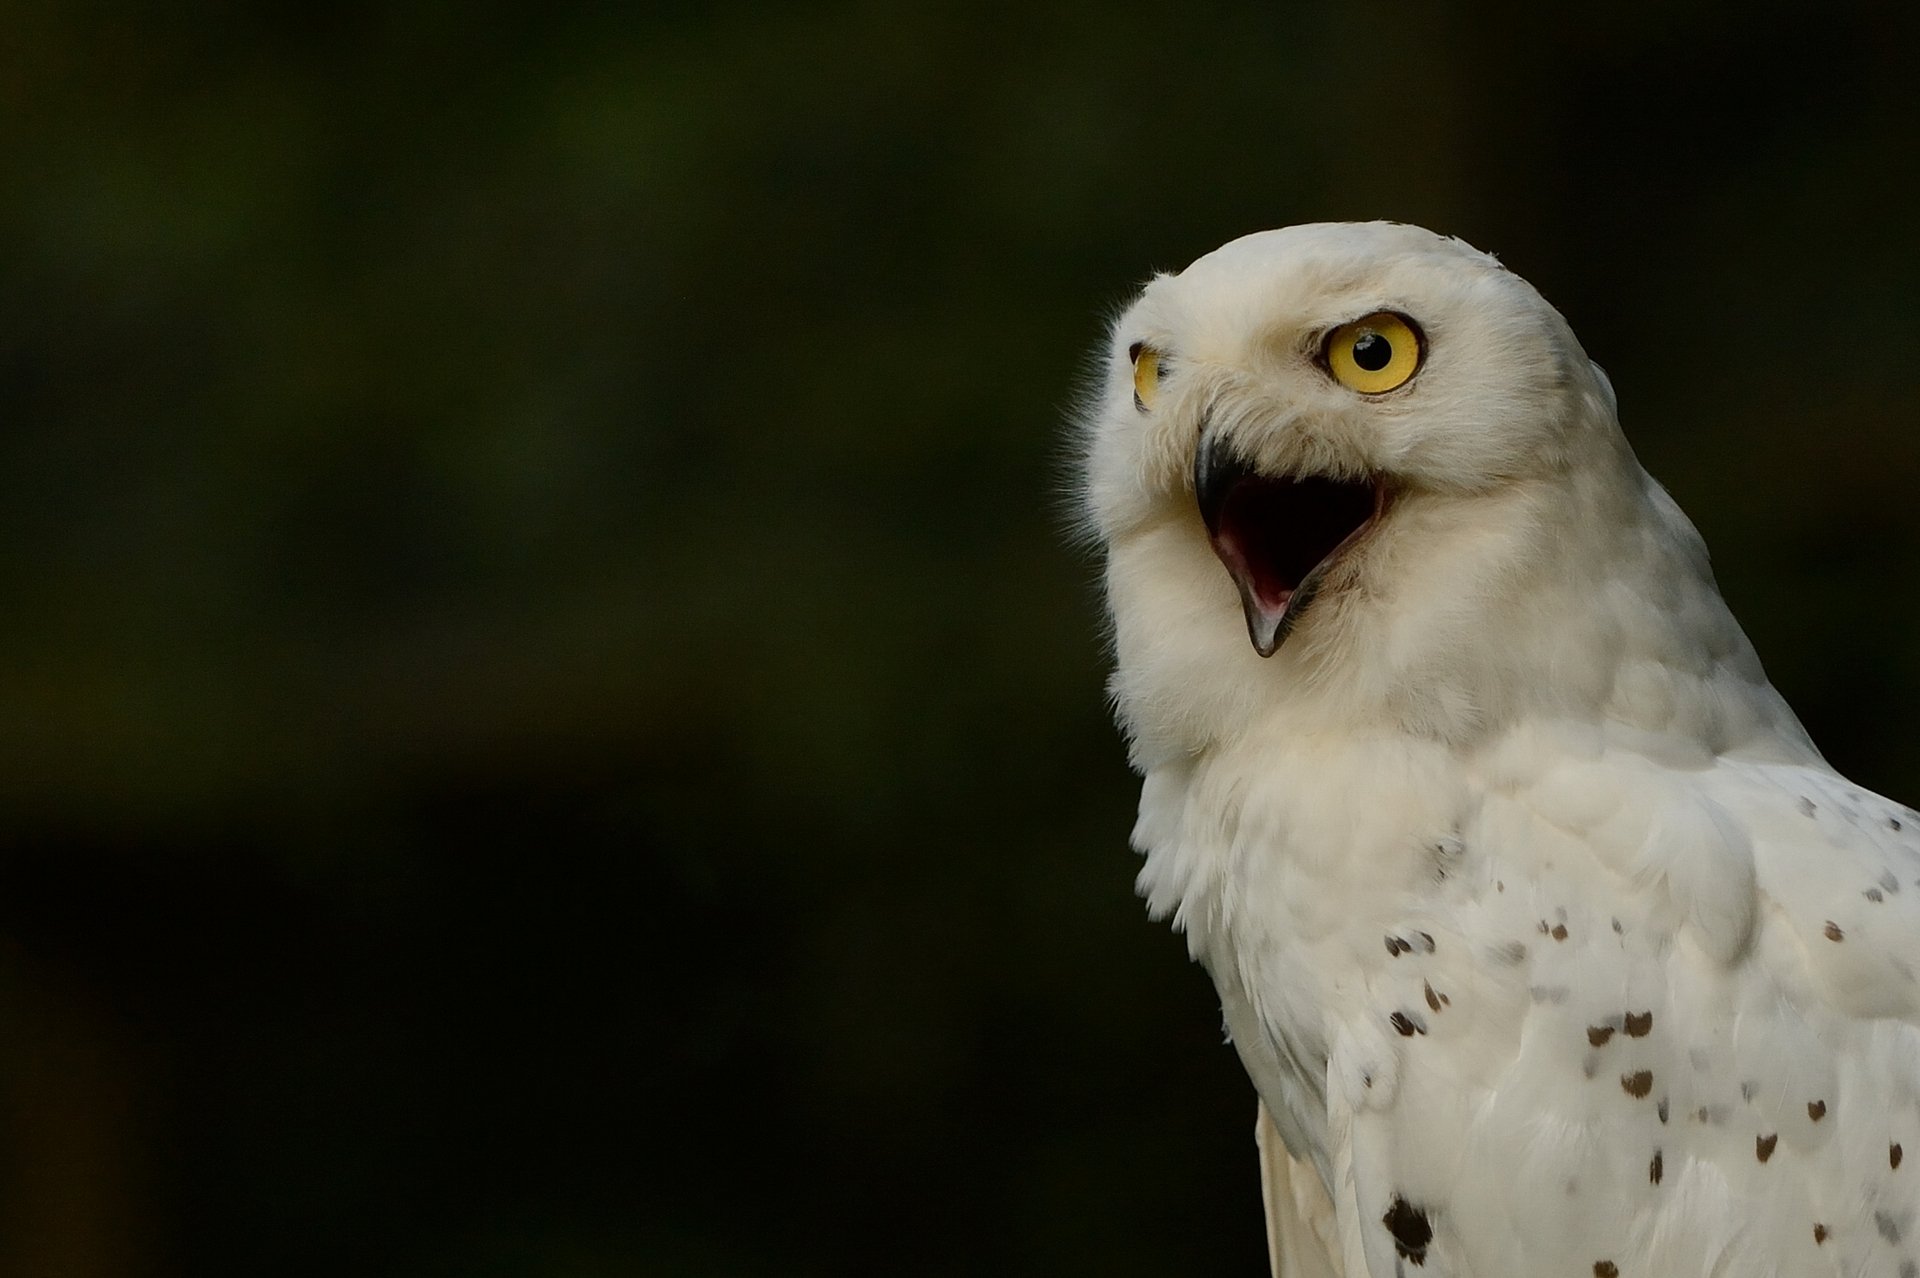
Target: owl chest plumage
[1557, 1010]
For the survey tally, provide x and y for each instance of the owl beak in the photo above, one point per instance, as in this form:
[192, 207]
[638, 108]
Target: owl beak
[1277, 535]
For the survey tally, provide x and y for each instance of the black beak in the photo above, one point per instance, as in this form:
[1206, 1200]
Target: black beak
[1277, 535]
[1216, 469]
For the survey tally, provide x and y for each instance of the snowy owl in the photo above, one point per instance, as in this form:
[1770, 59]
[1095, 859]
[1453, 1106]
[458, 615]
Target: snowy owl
[1550, 942]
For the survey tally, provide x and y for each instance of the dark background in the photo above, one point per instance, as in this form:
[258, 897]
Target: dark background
[548, 724]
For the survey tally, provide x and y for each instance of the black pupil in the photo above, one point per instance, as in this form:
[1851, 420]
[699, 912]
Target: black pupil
[1373, 352]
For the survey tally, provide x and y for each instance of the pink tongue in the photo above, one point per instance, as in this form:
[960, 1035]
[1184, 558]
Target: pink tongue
[1253, 572]
[1263, 599]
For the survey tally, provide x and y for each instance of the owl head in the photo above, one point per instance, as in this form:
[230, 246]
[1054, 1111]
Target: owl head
[1338, 456]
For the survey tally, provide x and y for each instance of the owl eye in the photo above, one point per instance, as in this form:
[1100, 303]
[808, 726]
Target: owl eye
[1146, 374]
[1375, 354]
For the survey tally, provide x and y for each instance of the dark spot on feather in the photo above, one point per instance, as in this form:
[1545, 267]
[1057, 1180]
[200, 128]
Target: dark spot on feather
[1889, 1227]
[1746, 1091]
[1893, 1156]
[1819, 1234]
[1407, 1025]
[1893, 823]
[1873, 894]
[1591, 1065]
[1426, 941]
[1816, 1110]
[1544, 927]
[1512, 953]
[1661, 1109]
[1445, 1001]
[1638, 1024]
[1366, 1080]
[1599, 1034]
[1887, 881]
[1605, 1269]
[1498, 886]
[1396, 947]
[1411, 1229]
[1833, 931]
[1559, 931]
[1656, 1168]
[1637, 1084]
[1617, 930]
[1433, 1000]
[1763, 1146]
[1806, 806]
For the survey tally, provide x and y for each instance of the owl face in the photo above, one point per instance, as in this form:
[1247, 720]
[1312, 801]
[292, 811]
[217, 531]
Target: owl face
[1287, 396]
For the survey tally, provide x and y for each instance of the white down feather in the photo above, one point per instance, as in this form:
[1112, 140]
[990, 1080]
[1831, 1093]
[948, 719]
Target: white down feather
[1547, 938]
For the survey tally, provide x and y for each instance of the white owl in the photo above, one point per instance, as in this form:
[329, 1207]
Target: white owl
[1550, 942]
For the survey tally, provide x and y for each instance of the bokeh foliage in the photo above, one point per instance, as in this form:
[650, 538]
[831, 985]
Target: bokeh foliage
[551, 724]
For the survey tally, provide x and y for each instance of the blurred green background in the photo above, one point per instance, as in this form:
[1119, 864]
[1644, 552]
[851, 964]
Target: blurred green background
[548, 725]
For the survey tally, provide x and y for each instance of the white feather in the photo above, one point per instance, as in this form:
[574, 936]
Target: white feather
[1547, 937]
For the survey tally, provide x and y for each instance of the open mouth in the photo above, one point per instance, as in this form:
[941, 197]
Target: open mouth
[1278, 534]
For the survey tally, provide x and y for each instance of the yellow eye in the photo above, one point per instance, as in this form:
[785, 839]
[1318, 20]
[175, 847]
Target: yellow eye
[1146, 374]
[1375, 354]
